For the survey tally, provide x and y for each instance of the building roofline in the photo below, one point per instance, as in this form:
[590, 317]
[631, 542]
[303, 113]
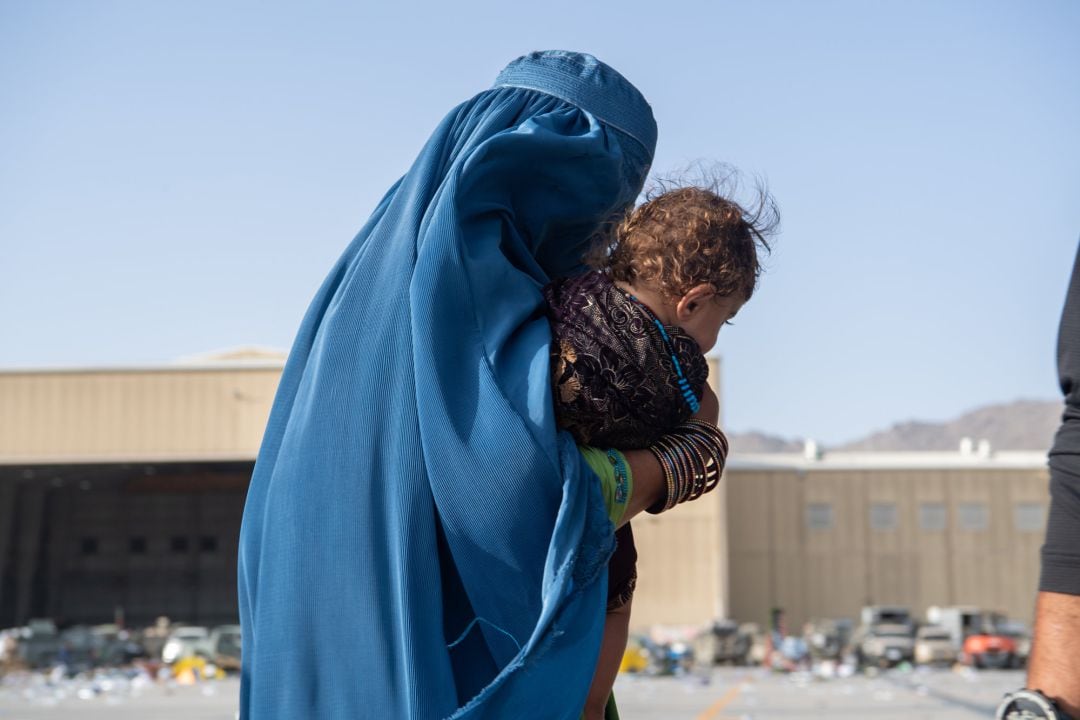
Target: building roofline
[914, 460]
[165, 367]
[124, 458]
[239, 357]
[1005, 460]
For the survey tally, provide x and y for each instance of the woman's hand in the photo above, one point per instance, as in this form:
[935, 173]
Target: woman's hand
[709, 406]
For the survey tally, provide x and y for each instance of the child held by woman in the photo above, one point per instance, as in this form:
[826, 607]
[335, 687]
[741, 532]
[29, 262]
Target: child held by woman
[629, 368]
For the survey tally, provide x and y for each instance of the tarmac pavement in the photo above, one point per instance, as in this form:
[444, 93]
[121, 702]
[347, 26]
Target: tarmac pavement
[756, 694]
[722, 694]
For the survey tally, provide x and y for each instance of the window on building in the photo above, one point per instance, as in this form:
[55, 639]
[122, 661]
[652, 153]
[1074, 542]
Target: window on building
[972, 516]
[208, 544]
[932, 516]
[819, 516]
[88, 546]
[179, 544]
[1029, 517]
[137, 545]
[883, 516]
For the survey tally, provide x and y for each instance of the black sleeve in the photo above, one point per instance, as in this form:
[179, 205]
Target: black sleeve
[1061, 553]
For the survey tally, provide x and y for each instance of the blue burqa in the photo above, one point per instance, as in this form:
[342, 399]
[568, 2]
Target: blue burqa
[419, 541]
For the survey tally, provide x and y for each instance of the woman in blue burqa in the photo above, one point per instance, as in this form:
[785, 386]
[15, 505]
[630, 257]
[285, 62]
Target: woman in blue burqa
[419, 540]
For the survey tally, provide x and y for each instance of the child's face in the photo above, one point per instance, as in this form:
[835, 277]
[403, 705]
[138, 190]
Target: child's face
[701, 313]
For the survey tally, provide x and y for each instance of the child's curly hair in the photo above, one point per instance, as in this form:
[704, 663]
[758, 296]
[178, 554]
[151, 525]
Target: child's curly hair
[685, 236]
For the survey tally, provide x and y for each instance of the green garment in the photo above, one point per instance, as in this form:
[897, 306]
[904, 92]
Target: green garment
[616, 486]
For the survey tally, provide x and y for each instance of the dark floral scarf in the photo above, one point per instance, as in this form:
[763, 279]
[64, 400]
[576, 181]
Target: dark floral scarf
[613, 379]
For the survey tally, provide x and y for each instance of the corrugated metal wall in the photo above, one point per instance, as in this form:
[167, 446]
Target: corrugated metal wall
[145, 540]
[680, 565]
[103, 414]
[693, 564]
[778, 559]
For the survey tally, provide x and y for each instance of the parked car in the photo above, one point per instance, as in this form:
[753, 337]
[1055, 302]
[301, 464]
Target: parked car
[892, 615]
[934, 646]
[959, 621]
[828, 639]
[1018, 632]
[39, 643]
[723, 642]
[223, 647]
[184, 641]
[885, 646]
[990, 650]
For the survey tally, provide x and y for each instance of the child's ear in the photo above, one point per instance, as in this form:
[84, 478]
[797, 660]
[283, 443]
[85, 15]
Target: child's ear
[692, 300]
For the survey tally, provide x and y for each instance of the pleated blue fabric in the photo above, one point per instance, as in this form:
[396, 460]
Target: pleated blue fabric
[419, 541]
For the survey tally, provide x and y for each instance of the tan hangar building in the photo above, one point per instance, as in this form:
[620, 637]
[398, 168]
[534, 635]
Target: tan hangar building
[121, 491]
[821, 535]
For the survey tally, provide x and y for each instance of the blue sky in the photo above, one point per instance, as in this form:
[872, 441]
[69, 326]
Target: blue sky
[178, 177]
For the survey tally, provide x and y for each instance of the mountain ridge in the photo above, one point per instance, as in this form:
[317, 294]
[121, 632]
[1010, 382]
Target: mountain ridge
[1019, 425]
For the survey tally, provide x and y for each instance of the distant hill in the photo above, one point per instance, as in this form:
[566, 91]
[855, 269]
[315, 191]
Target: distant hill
[1020, 425]
[758, 442]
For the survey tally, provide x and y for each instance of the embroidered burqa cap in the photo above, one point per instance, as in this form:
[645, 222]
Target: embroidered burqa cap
[419, 540]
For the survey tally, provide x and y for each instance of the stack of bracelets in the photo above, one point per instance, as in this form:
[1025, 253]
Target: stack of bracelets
[692, 458]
